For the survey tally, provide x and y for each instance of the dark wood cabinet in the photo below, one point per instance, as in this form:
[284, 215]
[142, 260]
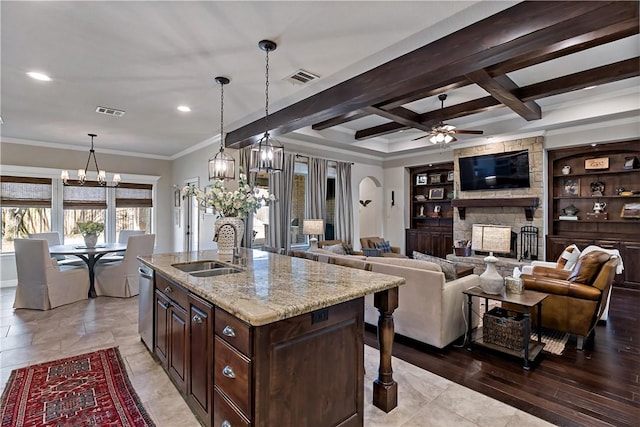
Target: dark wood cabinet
[581, 177]
[200, 367]
[431, 225]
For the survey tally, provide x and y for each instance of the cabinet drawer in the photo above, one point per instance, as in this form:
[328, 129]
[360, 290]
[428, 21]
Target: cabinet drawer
[234, 331]
[223, 410]
[232, 375]
[172, 290]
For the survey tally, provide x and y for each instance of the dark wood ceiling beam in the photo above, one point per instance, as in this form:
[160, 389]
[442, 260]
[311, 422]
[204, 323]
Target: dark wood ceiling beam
[400, 115]
[503, 88]
[338, 120]
[611, 33]
[593, 77]
[524, 28]
[434, 117]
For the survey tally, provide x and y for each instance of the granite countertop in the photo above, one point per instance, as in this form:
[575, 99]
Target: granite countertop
[272, 287]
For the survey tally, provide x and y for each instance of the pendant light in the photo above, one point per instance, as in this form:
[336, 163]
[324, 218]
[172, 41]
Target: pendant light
[82, 173]
[222, 166]
[267, 155]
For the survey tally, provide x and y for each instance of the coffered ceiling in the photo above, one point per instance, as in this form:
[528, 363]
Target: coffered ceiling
[508, 69]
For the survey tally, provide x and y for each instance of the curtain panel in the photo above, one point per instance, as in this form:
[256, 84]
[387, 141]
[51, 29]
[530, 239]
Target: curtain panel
[344, 203]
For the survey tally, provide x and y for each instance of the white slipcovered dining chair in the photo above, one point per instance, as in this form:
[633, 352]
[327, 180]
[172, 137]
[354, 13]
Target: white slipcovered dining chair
[120, 278]
[123, 237]
[42, 283]
[53, 239]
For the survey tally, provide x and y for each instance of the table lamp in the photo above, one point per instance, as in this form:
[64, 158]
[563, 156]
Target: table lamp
[491, 238]
[313, 227]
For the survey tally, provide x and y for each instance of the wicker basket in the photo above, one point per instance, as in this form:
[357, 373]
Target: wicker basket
[503, 328]
[464, 251]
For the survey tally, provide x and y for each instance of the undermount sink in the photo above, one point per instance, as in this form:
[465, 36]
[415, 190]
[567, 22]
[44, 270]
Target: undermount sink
[198, 266]
[215, 272]
[206, 268]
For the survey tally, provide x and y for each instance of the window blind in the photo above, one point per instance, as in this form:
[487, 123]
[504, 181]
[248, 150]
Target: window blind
[24, 191]
[90, 196]
[134, 195]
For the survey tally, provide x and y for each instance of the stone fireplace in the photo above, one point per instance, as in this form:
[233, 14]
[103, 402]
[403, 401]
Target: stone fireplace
[514, 205]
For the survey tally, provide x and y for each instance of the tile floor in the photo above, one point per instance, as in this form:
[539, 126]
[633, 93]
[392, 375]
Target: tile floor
[31, 336]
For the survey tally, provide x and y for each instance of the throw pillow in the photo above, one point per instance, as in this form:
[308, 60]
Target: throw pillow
[588, 266]
[348, 248]
[568, 258]
[336, 249]
[448, 267]
[385, 247]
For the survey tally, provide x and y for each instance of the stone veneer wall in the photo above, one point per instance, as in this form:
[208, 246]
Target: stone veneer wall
[511, 216]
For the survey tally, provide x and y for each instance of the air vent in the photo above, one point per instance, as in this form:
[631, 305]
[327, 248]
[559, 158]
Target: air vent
[302, 77]
[109, 111]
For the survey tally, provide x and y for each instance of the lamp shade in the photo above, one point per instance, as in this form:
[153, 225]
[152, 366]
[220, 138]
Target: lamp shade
[491, 238]
[313, 227]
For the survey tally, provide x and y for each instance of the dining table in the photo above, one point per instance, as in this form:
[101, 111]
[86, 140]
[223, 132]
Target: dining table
[90, 255]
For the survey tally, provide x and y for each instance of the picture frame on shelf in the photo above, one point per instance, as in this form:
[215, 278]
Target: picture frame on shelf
[570, 187]
[435, 178]
[421, 179]
[630, 163]
[450, 176]
[630, 210]
[598, 163]
[436, 193]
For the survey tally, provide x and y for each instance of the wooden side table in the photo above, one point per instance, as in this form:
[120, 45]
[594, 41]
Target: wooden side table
[527, 300]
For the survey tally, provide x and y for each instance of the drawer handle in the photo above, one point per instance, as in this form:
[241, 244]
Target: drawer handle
[228, 331]
[168, 290]
[225, 423]
[227, 371]
[196, 319]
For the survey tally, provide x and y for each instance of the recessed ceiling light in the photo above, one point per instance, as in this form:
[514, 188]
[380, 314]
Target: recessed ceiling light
[39, 76]
[589, 87]
[594, 145]
[184, 108]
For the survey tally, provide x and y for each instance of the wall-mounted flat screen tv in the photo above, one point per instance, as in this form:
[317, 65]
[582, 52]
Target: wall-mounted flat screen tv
[494, 171]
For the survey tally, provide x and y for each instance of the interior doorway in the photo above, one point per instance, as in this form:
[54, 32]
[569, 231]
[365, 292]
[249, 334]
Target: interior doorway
[370, 207]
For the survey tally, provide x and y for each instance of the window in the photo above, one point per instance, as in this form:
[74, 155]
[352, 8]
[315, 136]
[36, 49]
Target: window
[81, 204]
[26, 208]
[133, 207]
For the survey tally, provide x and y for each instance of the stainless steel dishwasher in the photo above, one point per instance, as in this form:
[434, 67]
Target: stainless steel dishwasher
[146, 305]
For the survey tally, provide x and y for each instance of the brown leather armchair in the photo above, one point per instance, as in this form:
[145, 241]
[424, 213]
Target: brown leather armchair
[577, 297]
[368, 245]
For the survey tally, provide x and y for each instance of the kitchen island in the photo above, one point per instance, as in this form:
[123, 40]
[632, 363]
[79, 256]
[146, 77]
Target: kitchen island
[268, 339]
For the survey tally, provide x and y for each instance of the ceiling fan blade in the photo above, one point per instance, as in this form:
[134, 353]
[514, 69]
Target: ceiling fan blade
[471, 132]
[420, 137]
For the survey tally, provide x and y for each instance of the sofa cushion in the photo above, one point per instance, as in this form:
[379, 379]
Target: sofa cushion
[348, 248]
[568, 258]
[407, 262]
[588, 267]
[385, 247]
[336, 249]
[448, 267]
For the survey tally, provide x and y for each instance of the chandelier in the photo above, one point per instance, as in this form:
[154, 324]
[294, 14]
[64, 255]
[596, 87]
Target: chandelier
[82, 173]
[222, 166]
[267, 155]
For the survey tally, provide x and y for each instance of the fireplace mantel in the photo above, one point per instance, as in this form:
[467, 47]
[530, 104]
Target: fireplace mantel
[528, 203]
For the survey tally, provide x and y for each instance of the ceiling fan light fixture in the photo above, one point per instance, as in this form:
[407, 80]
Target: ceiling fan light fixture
[267, 154]
[222, 166]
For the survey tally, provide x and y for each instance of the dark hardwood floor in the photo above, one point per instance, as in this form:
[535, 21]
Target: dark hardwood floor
[599, 386]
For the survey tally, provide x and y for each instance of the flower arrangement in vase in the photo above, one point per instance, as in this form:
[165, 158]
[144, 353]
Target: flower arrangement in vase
[90, 231]
[232, 206]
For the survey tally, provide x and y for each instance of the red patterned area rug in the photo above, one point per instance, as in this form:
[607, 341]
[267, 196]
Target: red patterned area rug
[87, 390]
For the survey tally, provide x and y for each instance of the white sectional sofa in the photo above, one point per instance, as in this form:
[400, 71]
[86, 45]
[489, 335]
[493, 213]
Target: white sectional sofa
[431, 310]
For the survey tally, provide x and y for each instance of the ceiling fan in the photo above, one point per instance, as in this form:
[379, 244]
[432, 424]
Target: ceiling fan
[443, 133]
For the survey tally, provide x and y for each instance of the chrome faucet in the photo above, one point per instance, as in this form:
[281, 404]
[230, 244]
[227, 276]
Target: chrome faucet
[236, 252]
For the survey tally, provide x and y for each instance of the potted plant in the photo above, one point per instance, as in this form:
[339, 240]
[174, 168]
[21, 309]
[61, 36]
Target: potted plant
[90, 231]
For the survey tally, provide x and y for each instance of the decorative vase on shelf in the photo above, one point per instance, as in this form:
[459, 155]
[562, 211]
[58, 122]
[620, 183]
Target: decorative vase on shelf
[90, 239]
[229, 233]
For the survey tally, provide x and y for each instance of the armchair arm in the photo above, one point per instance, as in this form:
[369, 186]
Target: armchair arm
[561, 287]
[554, 273]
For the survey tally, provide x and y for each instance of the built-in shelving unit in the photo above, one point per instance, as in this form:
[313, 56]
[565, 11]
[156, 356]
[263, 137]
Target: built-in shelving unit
[573, 183]
[431, 224]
